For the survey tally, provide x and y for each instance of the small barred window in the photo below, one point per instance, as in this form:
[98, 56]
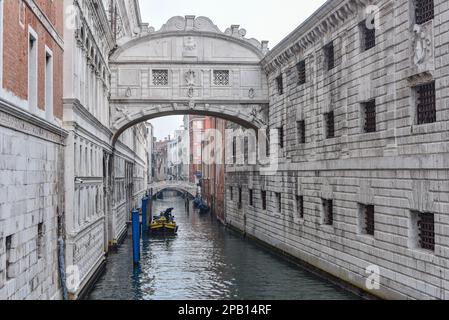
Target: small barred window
[264, 199]
[300, 206]
[424, 228]
[330, 55]
[329, 119]
[426, 108]
[280, 85]
[367, 219]
[301, 68]
[328, 210]
[221, 77]
[424, 11]
[370, 116]
[160, 77]
[301, 131]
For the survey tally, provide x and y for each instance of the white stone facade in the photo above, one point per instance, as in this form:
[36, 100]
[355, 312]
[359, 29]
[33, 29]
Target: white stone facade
[30, 202]
[95, 219]
[401, 168]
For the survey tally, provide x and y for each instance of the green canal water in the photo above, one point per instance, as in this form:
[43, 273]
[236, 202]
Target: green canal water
[206, 261]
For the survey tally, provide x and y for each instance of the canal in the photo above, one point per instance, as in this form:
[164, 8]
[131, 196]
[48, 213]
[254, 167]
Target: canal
[206, 261]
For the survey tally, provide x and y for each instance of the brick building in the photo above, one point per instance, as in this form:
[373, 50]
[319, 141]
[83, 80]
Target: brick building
[31, 148]
[213, 182]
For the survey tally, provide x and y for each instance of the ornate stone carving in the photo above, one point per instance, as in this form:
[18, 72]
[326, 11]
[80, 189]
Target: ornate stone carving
[423, 47]
[251, 93]
[204, 24]
[190, 78]
[190, 47]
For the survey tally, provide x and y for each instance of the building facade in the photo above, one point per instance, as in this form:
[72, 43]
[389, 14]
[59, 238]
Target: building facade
[214, 153]
[31, 148]
[358, 95]
[96, 218]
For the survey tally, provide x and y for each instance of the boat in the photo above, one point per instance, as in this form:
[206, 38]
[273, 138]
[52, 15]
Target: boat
[164, 224]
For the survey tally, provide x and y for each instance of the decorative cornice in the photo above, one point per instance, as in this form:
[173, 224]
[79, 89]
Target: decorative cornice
[80, 109]
[20, 120]
[324, 21]
[191, 25]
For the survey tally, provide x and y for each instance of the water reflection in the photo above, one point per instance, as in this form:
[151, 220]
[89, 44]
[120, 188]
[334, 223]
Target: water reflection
[206, 261]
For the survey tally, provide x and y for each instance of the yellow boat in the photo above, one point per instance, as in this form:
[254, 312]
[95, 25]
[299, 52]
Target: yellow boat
[165, 224]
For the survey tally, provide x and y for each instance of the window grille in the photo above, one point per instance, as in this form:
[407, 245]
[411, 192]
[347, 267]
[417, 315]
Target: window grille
[221, 77]
[426, 227]
[369, 219]
[280, 85]
[301, 128]
[279, 202]
[264, 200]
[281, 137]
[330, 124]
[160, 77]
[426, 103]
[251, 197]
[301, 68]
[330, 55]
[328, 207]
[300, 206]
[424, 10]
[370, 116]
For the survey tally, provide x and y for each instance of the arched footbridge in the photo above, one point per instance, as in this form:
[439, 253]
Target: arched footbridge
[181, 186]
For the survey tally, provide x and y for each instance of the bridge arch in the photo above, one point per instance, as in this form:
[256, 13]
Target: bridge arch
[184, 187]
[189, 66]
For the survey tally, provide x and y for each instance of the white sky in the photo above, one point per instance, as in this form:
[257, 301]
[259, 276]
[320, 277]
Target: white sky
[263, 19]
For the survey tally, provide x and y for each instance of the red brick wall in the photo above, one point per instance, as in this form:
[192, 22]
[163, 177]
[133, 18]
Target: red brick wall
[15, 51]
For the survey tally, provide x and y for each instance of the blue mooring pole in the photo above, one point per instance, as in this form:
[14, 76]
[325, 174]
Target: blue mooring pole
[144, 214]
[136, 236]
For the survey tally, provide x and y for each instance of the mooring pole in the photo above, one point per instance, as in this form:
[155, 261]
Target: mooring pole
[144, 214]
[136, 236]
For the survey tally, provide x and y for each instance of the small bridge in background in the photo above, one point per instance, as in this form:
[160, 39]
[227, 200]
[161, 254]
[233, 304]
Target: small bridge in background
[181, 186]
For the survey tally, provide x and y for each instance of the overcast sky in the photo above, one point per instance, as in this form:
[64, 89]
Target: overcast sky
[263, 19]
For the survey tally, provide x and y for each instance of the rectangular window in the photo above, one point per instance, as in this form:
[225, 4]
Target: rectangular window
[8, 257]
[160, 77]
[278, 202]
[329, 56]
[300, 206]
[251, 197]
[301, 68]
[424, 11]
[423, 228]
[301, 131]
[368, 34]
[328, 211]
[369, 115]
[40, 240]
[426, 105]
[49, 86]
[240, 198]
[329, 119]
[264, 200]
[32, 72]
[231, 192]
[234, 150]
[268, 142]
[221, 77]
[281, 137]
[367, 225]
[280, 85]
